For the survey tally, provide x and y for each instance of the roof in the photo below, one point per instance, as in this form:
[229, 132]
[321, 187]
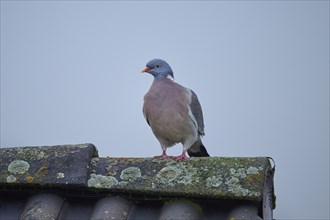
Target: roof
[72, 181]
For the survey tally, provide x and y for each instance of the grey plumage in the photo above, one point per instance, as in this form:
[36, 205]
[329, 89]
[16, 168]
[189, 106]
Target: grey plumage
[196, 110]
[173, 112]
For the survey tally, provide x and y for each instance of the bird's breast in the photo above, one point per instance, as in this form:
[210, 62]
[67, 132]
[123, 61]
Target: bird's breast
[166, 99]
[166, 109]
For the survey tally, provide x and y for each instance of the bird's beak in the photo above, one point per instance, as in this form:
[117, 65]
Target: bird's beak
[145, 70]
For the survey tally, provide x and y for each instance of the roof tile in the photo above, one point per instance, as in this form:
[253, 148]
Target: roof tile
[55, 165]
[72, 182]
[42, 206]
[181, 210]
[111, 208]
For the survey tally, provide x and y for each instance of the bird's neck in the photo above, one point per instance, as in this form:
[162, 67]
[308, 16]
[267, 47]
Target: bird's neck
[159, 77]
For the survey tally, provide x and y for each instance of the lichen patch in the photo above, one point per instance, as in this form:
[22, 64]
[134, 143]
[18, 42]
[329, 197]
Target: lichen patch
[238, 189]
[18, 167]
[11, 179]
[239, 173]
[168, 174]
[130, 174]
[100, 181]
[235, 188]
[43, 171]
[214, 181]
[177, 173]
[60, 175]
[252, 170]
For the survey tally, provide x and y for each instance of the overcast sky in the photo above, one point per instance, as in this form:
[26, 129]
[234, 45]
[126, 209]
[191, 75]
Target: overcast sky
[70, 73]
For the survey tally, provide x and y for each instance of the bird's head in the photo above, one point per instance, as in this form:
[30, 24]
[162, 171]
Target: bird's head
[158, 68]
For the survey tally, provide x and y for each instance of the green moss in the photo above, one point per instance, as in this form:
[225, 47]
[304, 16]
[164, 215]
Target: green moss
[254, 178]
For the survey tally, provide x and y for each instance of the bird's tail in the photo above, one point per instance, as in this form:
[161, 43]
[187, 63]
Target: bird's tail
[198, 150]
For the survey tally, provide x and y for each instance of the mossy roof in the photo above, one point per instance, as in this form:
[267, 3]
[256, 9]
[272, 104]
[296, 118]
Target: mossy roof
[79, 166]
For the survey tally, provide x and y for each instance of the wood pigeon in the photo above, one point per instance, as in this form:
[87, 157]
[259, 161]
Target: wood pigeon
[173, 112]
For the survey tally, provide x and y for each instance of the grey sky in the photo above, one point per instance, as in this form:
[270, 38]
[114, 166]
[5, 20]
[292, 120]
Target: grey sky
[70, 73]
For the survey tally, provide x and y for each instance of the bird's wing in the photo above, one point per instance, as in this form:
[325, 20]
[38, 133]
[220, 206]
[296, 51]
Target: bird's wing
[196, 110]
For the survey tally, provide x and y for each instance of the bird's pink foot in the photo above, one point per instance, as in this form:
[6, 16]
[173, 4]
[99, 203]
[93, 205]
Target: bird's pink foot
[164, 155]
[182, 156]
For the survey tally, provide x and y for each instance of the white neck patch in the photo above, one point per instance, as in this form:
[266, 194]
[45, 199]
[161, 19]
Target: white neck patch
[170, 77]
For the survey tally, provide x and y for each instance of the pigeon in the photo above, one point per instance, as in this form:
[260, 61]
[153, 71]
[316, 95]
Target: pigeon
[173, 112]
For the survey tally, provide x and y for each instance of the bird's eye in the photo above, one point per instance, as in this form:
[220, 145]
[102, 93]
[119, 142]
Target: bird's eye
[158, 66]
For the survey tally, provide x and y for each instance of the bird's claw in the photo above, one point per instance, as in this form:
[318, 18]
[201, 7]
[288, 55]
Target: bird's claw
[163, 156]
[181, 157]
